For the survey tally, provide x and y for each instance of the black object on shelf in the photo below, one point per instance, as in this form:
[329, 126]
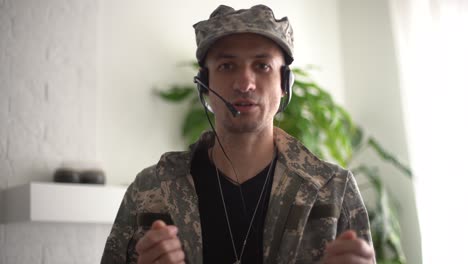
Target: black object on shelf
[66, 175]
[89, 176]
[93, 177]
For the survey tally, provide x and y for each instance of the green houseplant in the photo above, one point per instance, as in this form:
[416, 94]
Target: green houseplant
[328, 131]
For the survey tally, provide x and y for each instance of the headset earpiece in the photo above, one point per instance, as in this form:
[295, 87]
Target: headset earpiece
[203, 77]
[287, 82]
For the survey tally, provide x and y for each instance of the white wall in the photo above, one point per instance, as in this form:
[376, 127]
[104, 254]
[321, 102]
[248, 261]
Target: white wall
[140, 45]
[47, 116]
[372, 95]
[48, 82]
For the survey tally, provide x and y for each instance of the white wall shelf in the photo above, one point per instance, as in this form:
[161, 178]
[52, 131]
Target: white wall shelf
[62, 202]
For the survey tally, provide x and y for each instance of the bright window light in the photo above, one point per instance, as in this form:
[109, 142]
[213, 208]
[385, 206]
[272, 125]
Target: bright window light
[432, 43]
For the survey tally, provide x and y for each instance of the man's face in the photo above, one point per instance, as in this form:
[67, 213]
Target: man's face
[245, 70]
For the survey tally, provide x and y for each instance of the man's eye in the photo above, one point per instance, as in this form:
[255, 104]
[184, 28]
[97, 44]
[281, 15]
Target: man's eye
[225, 67]
[263, 66]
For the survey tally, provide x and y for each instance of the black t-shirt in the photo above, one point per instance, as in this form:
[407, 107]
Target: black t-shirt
[217, 243]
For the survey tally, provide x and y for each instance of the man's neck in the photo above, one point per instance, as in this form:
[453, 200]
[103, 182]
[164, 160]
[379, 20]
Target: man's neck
[249, 153]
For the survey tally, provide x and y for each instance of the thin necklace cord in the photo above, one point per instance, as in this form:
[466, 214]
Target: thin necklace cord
[244, 243]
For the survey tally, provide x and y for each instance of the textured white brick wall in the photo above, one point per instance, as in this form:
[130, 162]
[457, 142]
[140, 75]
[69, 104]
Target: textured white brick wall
[54, 243]
[2, 244]
[47, 116]
[48, 87]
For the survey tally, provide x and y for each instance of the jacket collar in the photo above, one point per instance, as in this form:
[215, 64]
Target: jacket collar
[300, 161]
[299, 175]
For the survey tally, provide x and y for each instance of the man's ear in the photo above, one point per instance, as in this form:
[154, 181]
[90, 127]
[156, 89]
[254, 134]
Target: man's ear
[203, 76]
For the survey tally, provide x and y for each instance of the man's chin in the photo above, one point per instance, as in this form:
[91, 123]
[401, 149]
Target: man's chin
[243, 127]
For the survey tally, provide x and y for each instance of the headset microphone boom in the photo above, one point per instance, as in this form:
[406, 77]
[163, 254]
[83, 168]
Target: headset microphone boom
[231, 107]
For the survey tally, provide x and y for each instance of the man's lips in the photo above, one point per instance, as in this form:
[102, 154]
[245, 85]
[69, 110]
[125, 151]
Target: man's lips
[244, 102]
[244, 105]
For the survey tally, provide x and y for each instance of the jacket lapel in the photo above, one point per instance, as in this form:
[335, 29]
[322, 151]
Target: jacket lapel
[182, 201]
[290, 203]
[182, 204]
[296, 184]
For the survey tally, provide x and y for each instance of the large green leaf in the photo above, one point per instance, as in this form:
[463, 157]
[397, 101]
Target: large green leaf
[383, 215]
[389, 157]
[177, 93]
[194, 124]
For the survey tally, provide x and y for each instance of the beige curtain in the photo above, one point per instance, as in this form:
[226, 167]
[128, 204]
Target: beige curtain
[432, 47]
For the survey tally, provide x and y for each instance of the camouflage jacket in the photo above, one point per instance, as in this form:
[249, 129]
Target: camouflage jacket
[311, 202]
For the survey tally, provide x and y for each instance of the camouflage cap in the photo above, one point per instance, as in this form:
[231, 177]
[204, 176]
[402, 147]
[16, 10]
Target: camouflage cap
[258, 19]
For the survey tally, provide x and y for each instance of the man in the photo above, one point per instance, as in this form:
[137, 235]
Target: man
[246, 192]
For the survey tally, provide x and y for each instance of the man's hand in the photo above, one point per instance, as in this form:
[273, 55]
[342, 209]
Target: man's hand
[348, 249]
[160, 245]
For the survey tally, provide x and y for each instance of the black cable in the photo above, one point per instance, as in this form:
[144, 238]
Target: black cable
[229, 160]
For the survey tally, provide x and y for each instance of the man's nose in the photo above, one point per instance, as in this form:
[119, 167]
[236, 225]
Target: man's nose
[245, 80]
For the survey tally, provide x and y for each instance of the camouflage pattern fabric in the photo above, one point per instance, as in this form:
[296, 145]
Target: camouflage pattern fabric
[258, 19]
[311, 203]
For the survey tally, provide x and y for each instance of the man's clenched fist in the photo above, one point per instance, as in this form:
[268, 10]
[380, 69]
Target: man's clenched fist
[348, 249]
[160, 245]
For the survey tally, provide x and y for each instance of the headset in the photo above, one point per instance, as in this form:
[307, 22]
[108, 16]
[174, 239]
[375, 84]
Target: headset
[201, 79]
